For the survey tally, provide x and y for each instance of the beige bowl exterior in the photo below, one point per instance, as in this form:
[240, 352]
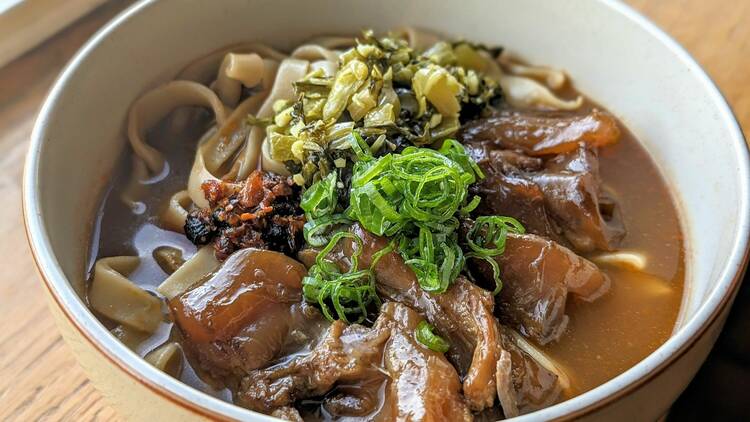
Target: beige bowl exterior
[693, 136]
[132, 399]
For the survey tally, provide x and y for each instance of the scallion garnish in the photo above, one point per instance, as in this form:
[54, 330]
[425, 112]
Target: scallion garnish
[317, 231]
[350, 293]
[486, 239]
[433, 341]
[414, 198]
[487, 236]
[320, 199]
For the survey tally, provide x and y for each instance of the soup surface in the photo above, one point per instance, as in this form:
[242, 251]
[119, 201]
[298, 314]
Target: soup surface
[605, 335]
[639, 314]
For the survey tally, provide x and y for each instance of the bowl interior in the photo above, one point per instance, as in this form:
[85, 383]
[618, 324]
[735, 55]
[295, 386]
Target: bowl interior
[612, 55]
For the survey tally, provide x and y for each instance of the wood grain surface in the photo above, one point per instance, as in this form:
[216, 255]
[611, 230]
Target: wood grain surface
[39, 377]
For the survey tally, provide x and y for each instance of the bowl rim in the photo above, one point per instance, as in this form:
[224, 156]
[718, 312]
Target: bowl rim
[679, 343]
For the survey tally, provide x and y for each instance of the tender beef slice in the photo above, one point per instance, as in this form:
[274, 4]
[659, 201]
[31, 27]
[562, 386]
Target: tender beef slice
[537, 276]
[508, 190]
[506, 392]
[572, 194]
[468, 309]
[523, 384]
[480, 348]
[463, 315]
[420, 384]
[423, 385]
[356, 399]
[542, 133]
[557, 195]
[242, 317]
[346, 354]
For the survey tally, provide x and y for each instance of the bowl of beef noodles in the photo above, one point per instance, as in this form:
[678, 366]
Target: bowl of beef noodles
[330, 210]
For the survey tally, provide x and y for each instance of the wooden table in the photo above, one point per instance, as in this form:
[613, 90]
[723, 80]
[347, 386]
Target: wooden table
[39, 377]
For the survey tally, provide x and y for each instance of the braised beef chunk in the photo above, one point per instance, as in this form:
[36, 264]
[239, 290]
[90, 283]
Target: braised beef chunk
[558, 197]
[523, 384]
[542, 133]
[419, 384]
[423, 385]
[246, 314]
[463, 315]
[537, 276]
[470, 324]
[573, 197]
[345, 354]
[508, 190]
[360, 398]
[260, 212]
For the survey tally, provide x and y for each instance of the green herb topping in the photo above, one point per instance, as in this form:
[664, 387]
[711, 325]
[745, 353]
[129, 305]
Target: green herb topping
[433, 341]
[486, 239]
[414, 198]
[350, 292]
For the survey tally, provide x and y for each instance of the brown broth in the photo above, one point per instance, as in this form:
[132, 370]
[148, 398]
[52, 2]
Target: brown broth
[603, 339]
[125, 231]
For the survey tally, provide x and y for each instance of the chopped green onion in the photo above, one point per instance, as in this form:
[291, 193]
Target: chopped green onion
[471, 206]
[433, 341]
[360, 147]
[487, 236]
[456, 152]
[321, 198]
[495, 269]
[486, 239]
[414, 197]
[315, 230]
[350, 293]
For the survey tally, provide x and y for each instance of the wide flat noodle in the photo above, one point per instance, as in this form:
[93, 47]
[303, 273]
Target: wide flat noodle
[195, 269]
[418, 39]
[235, 71]
[333, 42]
[135, 189]
[311, 53]
[290, 71]
[174, 216]
[156, 104]
[167, 358]
[204, 70]
[525, 92]
[319, 58]
[113, 295]
[216, 150]
[554, 78]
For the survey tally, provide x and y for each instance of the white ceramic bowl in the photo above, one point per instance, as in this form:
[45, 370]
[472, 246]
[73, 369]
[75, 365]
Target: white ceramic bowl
[614, 55]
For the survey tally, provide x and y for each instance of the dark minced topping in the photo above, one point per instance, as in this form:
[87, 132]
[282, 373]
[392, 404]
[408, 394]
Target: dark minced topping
[260, 212]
